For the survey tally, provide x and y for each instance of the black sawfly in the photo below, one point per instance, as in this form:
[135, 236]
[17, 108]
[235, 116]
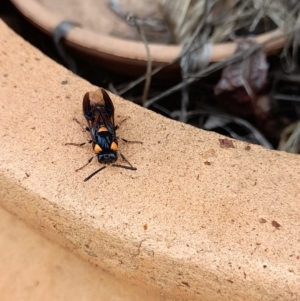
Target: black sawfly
[98, 110]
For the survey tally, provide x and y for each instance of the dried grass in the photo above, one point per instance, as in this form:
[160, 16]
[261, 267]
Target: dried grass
[196, 24]
[227, 16]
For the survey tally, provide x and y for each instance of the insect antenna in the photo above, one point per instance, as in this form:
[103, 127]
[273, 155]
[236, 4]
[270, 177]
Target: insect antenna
[94, 173]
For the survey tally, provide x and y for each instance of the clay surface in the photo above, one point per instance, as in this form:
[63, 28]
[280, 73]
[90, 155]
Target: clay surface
[197, 220]
[37, 269]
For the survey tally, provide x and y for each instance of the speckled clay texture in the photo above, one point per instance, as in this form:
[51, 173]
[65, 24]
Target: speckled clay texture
[196, 220]
[38, 269]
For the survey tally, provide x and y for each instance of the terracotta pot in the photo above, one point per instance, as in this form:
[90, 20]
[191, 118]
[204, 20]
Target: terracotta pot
[119, 55]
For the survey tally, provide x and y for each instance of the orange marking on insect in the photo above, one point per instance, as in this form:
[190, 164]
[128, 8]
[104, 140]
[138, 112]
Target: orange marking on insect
[114, 146]
[97, 148]
[102, 129]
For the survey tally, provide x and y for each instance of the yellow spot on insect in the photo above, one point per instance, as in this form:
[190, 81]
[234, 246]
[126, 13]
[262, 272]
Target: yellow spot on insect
[114, 146]
[97, 149]
[102, 129]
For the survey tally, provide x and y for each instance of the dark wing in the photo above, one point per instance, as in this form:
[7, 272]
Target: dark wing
[87, 109]
[98, 109]
[109, 107]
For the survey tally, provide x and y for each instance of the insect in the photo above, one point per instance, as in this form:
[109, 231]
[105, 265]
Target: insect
[98, 111]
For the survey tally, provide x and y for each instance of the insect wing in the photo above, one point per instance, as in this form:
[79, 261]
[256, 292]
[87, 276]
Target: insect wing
[99, 110]
[88, 110]
[109, 111]
[91, 104]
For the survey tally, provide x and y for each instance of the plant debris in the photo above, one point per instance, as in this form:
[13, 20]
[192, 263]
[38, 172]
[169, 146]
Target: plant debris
[226, 143]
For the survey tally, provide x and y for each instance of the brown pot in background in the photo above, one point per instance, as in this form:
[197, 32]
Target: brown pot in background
[120, 55]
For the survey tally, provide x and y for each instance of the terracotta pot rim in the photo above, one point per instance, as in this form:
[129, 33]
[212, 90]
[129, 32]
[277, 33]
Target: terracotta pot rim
[117, 49]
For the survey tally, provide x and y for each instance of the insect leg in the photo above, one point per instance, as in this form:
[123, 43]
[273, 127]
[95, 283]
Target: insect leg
[123, 157]
[86, 128]
[124, 166]
[129, 141]
[79, 144]
[125, 140]
[88, 162]
[118, 125]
